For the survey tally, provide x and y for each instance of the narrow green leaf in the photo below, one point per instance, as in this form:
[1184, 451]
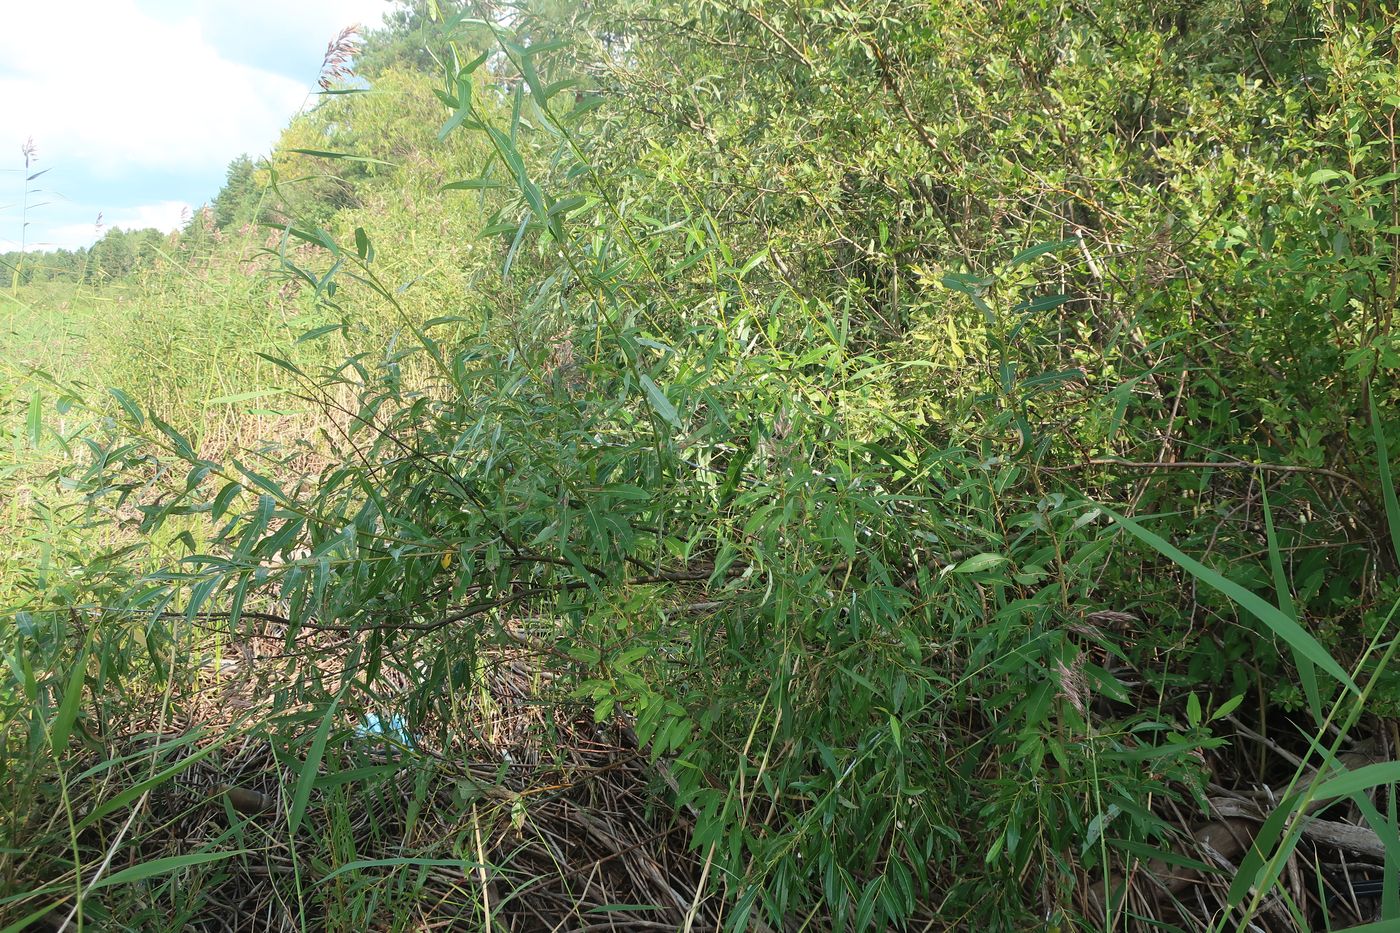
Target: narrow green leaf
[67, 713]
[182, 444]
[136, 790]
[164, 866]
[284, 364]
[243, 396]
[1359, 779]
[1380, 926]
[1041, 303]
[318, 332]
[1253, 862]
[660, 403]
[34, 424]
[1228, 707]
[1027, 255]
[345, 156]
[1287, 629]
[474, 184]
[1307, 673]
[979, 562]
[515, 246]
[24, 924]
[129, 406]
[1389, 834]
[306, 780]
[361, 864]
[1170, 857]
[1392, 507]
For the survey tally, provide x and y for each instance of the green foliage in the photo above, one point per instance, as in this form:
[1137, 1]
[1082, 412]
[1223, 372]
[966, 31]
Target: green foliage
[933, 430]
[406, 38]
[240, 199]
[119, 254]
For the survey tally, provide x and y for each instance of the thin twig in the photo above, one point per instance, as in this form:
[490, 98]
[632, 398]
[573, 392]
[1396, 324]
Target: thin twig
[1204, 465]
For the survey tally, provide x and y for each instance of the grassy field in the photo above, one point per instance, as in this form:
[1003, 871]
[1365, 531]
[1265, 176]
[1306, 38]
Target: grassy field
[53, 332]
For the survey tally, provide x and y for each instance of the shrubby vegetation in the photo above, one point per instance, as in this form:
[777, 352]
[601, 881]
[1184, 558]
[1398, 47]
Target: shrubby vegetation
[849, 466]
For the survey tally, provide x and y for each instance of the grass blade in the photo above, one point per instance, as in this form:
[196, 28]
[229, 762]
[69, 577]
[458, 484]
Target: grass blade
[1282, 626]
[1392, 506]
[72, 697]
[164, 866]
[1359, 779]
[1307, 672]
[306, 780]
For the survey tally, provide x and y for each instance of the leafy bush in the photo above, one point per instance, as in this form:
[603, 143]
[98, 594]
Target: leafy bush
[897, 454]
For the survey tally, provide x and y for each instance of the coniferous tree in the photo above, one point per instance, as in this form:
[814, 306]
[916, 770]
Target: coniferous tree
[237, 201]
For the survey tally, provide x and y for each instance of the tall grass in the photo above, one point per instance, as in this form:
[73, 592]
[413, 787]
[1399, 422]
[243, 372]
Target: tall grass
[30, 153]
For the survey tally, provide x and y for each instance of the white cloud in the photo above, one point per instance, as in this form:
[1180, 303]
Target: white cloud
[165, 216]
[137, 103]
[103, 84]
[318, 19]
[64, 236]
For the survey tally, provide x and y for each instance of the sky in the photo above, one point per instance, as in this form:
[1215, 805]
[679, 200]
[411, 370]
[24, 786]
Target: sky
[136, 107]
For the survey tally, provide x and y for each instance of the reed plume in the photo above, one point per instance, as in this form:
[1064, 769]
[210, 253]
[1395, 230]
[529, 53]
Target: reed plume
[340, 53]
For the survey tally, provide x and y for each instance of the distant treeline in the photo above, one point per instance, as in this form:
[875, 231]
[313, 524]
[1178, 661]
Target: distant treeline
[121, 253]
[116, 255]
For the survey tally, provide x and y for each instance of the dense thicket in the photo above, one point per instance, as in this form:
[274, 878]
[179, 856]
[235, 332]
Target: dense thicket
[948, 439]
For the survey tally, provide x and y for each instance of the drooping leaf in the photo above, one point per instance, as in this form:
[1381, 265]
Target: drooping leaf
[1281, 625]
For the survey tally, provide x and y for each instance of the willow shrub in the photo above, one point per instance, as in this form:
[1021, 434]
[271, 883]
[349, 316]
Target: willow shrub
[853, 660]
[866, 668]
[779, 478]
